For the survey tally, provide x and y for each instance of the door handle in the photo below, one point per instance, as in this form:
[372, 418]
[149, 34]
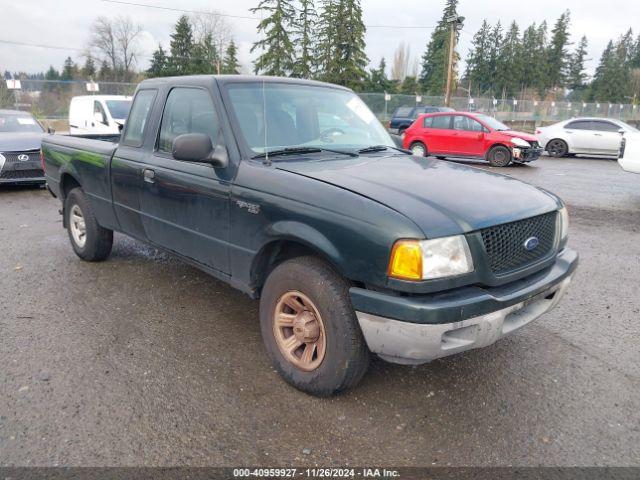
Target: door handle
[149, 175]
[598, 134]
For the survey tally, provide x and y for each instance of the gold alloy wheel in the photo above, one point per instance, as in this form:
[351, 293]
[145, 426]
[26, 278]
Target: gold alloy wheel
[299, 331]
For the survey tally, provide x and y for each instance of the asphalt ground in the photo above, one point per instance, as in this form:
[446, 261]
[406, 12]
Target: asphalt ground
[143, 360]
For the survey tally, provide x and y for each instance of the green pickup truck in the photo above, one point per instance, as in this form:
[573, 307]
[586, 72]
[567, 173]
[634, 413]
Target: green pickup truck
[293, 192]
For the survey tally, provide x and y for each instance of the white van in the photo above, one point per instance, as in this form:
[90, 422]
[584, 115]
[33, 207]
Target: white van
[98, 114]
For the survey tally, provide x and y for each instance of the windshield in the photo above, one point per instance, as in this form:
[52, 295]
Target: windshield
[119, 108]
[273, 116]
[18, 123]
[492, 122]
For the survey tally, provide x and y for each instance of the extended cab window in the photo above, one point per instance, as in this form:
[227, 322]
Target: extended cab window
[138, 118]
[188, 110]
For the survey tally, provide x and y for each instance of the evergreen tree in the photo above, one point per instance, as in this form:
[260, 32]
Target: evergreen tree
[409, 86]
[105, 74]
[69, 70]
[509, 66]
[351, 45]
[494, 56]
[89, 68]
[478, 71]
[328, 63]
[434, 61]
[204, 57]
[378, 80]
[634, 61]
[159, 63]
[305, 29]
[577, 77]
[52, 74]
[230, 64]
[557, 54]
[180, 61]
[277, 57]
[540, 59]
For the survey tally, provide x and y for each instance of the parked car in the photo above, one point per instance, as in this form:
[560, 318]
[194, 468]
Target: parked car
[629, 159]
[20, 137]
[590, 136]
[352, 245]
[403, 117]
[470, 135]
[98, 114]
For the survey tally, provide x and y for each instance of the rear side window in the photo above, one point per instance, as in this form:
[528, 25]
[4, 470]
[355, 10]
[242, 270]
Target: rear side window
[427, 122]
[461, 122]
[139, 118]
[188, 110]
[441, 122]
[403, 112]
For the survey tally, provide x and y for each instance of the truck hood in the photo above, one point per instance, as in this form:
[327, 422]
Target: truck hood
[513, 133]
[440, 197]
[20, 142]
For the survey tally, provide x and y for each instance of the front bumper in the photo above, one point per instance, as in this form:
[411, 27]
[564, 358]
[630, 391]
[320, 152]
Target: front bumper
[524, 155]
[417, 330]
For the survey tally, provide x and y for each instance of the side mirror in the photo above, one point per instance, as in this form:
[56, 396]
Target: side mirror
[50, 130]
[197, 147]
[621, 131]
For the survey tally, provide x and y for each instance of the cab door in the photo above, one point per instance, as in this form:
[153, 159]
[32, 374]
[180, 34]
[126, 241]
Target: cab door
[185, 205]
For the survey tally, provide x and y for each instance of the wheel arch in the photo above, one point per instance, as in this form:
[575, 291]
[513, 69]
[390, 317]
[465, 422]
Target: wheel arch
[293, 240]
[68, 182]
[566, 142]
[494, 145]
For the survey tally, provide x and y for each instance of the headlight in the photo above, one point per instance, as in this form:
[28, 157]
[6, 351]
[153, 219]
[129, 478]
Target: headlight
[520, 142]
[564, 223]
[429, 259]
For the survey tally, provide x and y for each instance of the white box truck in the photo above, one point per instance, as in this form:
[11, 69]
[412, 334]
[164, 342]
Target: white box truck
[98, 114]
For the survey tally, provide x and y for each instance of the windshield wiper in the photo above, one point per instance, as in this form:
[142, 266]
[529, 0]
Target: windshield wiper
[382, 148]
[301, 150]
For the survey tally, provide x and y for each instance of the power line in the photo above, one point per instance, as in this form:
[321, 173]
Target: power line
[52, 47]
[244, 17]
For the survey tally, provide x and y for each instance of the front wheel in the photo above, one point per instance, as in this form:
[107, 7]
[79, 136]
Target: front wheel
[499, 156]
[309, 327]
[557, 148]
[89, 240]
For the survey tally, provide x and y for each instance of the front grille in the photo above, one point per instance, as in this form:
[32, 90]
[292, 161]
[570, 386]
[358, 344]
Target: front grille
[12, 157]
[504, 244]
[21, 174]
[535, 144]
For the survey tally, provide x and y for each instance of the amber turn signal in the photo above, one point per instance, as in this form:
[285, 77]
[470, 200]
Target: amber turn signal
[406, 260]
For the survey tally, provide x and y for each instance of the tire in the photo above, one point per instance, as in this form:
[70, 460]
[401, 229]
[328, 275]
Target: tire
[419, 149]
[557, 148]
[89, 240]
[499, 156]
[440, 157]
[314, 285]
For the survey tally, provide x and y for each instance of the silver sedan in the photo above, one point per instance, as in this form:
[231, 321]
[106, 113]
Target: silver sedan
[590, 136]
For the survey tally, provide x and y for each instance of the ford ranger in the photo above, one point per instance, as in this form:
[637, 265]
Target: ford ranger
[293, 192]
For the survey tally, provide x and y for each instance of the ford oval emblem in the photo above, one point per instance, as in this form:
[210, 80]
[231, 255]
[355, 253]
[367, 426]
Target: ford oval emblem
[531, 243]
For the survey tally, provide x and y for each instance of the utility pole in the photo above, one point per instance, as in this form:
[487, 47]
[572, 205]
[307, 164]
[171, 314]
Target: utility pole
[455, 24]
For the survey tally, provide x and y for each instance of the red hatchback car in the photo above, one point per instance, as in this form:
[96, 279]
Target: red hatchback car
[470, 135]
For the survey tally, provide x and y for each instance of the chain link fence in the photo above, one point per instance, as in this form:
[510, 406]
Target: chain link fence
[49, 101]
[531, 113]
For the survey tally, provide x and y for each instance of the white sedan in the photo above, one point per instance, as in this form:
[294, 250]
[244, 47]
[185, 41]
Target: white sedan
[630, 155]
[590, 136]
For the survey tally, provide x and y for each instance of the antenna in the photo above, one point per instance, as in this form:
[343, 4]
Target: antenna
[264, 121]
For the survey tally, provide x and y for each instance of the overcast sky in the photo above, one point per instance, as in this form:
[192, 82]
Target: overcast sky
[65, 23]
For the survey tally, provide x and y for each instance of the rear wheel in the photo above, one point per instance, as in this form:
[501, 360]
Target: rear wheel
[89, 240]
[557, 148]
[309, 327]
[419, 149]
[499, 156]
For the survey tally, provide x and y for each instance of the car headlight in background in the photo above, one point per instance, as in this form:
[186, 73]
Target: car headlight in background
[518, 142]
[564, 223]
[430, 259]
